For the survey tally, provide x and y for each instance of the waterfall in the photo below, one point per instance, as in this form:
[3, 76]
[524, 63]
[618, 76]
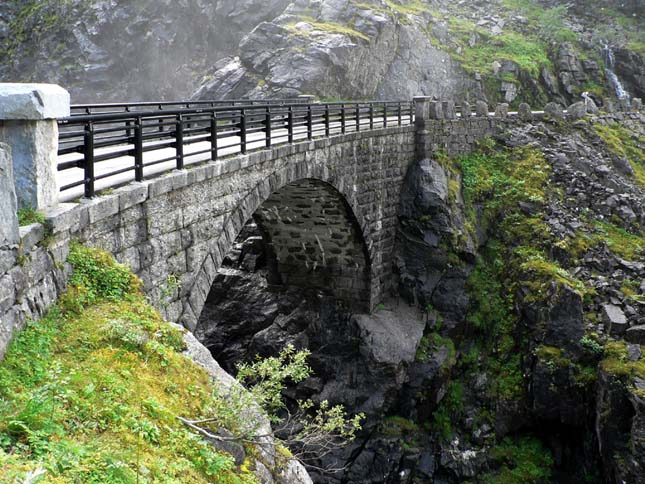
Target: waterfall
[610, 62]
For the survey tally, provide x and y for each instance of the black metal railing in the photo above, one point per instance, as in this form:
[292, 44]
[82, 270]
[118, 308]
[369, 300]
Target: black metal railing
[108, 148]
[109, 108]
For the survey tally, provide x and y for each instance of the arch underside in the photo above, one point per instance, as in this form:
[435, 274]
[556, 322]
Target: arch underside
[315, 242]
[335, 271]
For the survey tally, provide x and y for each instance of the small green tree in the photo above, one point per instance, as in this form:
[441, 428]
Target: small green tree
[312, 431]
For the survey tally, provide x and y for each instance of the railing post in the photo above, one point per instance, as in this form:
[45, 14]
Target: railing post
[28, 114]
[138, 149]
[358, 117]
[243, 131]
[371, 115]
[88, 159]
[214, 136]
[327, 121]
[267, 130]
[385, 114]
[179, 142]
[310, 123]
[400, 114]
[342, 118]
[290, 124]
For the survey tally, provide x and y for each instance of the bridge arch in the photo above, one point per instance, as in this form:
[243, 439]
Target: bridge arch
[339, 253]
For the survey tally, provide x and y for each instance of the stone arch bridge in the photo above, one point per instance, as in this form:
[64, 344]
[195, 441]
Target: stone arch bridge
[327, 208]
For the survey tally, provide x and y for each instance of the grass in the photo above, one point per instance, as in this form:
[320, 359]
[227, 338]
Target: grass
[618, 363]
[91, 393]
[624, 244]
[330, 27]
[28, 216]
[408, 7]
[530, 55]
[431, 343]
[623, 143]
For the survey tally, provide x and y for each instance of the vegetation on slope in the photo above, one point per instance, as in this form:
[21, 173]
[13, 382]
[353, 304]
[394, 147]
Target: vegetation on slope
[91, 393]
[622, 143]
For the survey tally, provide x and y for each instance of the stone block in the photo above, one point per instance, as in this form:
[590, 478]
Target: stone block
[60, 250]
[40, 265]
[101, 208]
[8, 258]
[34, 146]
[159, 186]
[435, 110]
[31, 235]
[133, 194]
[448, 108]
[614, 319]
[8, 202]
[553, 112]
[64, 217]
[501, 111]
[577, 110]
[524, 112]
[33, 102]
[636, 334]
[481, 109]
[7, 294]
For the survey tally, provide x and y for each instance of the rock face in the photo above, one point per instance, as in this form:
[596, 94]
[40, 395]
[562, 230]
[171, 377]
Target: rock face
[121, 51]
[161, 50]
[308, 49]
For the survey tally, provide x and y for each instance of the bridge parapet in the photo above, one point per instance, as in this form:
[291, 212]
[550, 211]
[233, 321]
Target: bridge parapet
[28, 114]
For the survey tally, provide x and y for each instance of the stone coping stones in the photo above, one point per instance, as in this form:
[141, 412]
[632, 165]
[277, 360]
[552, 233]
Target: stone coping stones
[33, 102]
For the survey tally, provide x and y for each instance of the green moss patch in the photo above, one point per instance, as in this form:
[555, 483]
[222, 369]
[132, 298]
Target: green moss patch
[330, 27]
[623, 143]
[92, 392]
[618, 363]
[522, 459]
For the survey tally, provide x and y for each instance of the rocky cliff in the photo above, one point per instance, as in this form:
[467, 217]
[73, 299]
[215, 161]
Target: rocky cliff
[511, 350]
[500, 50]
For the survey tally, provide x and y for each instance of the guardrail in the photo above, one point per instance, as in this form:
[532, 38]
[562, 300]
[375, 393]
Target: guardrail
[133, 140]
[109, 108]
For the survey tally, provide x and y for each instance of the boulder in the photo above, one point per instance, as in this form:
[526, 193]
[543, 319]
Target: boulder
[577, 110]
[614, 319]
[501, 111]
[553, 112]
[481, 109]
[636, 334]
[524, 112]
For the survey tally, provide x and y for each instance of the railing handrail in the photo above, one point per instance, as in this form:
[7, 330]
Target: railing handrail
[162, 104]
[219, 103]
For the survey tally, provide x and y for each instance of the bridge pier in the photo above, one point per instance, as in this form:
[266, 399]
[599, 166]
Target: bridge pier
[28, 114]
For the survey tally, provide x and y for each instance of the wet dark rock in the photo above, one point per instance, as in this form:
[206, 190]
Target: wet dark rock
[636, 334]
